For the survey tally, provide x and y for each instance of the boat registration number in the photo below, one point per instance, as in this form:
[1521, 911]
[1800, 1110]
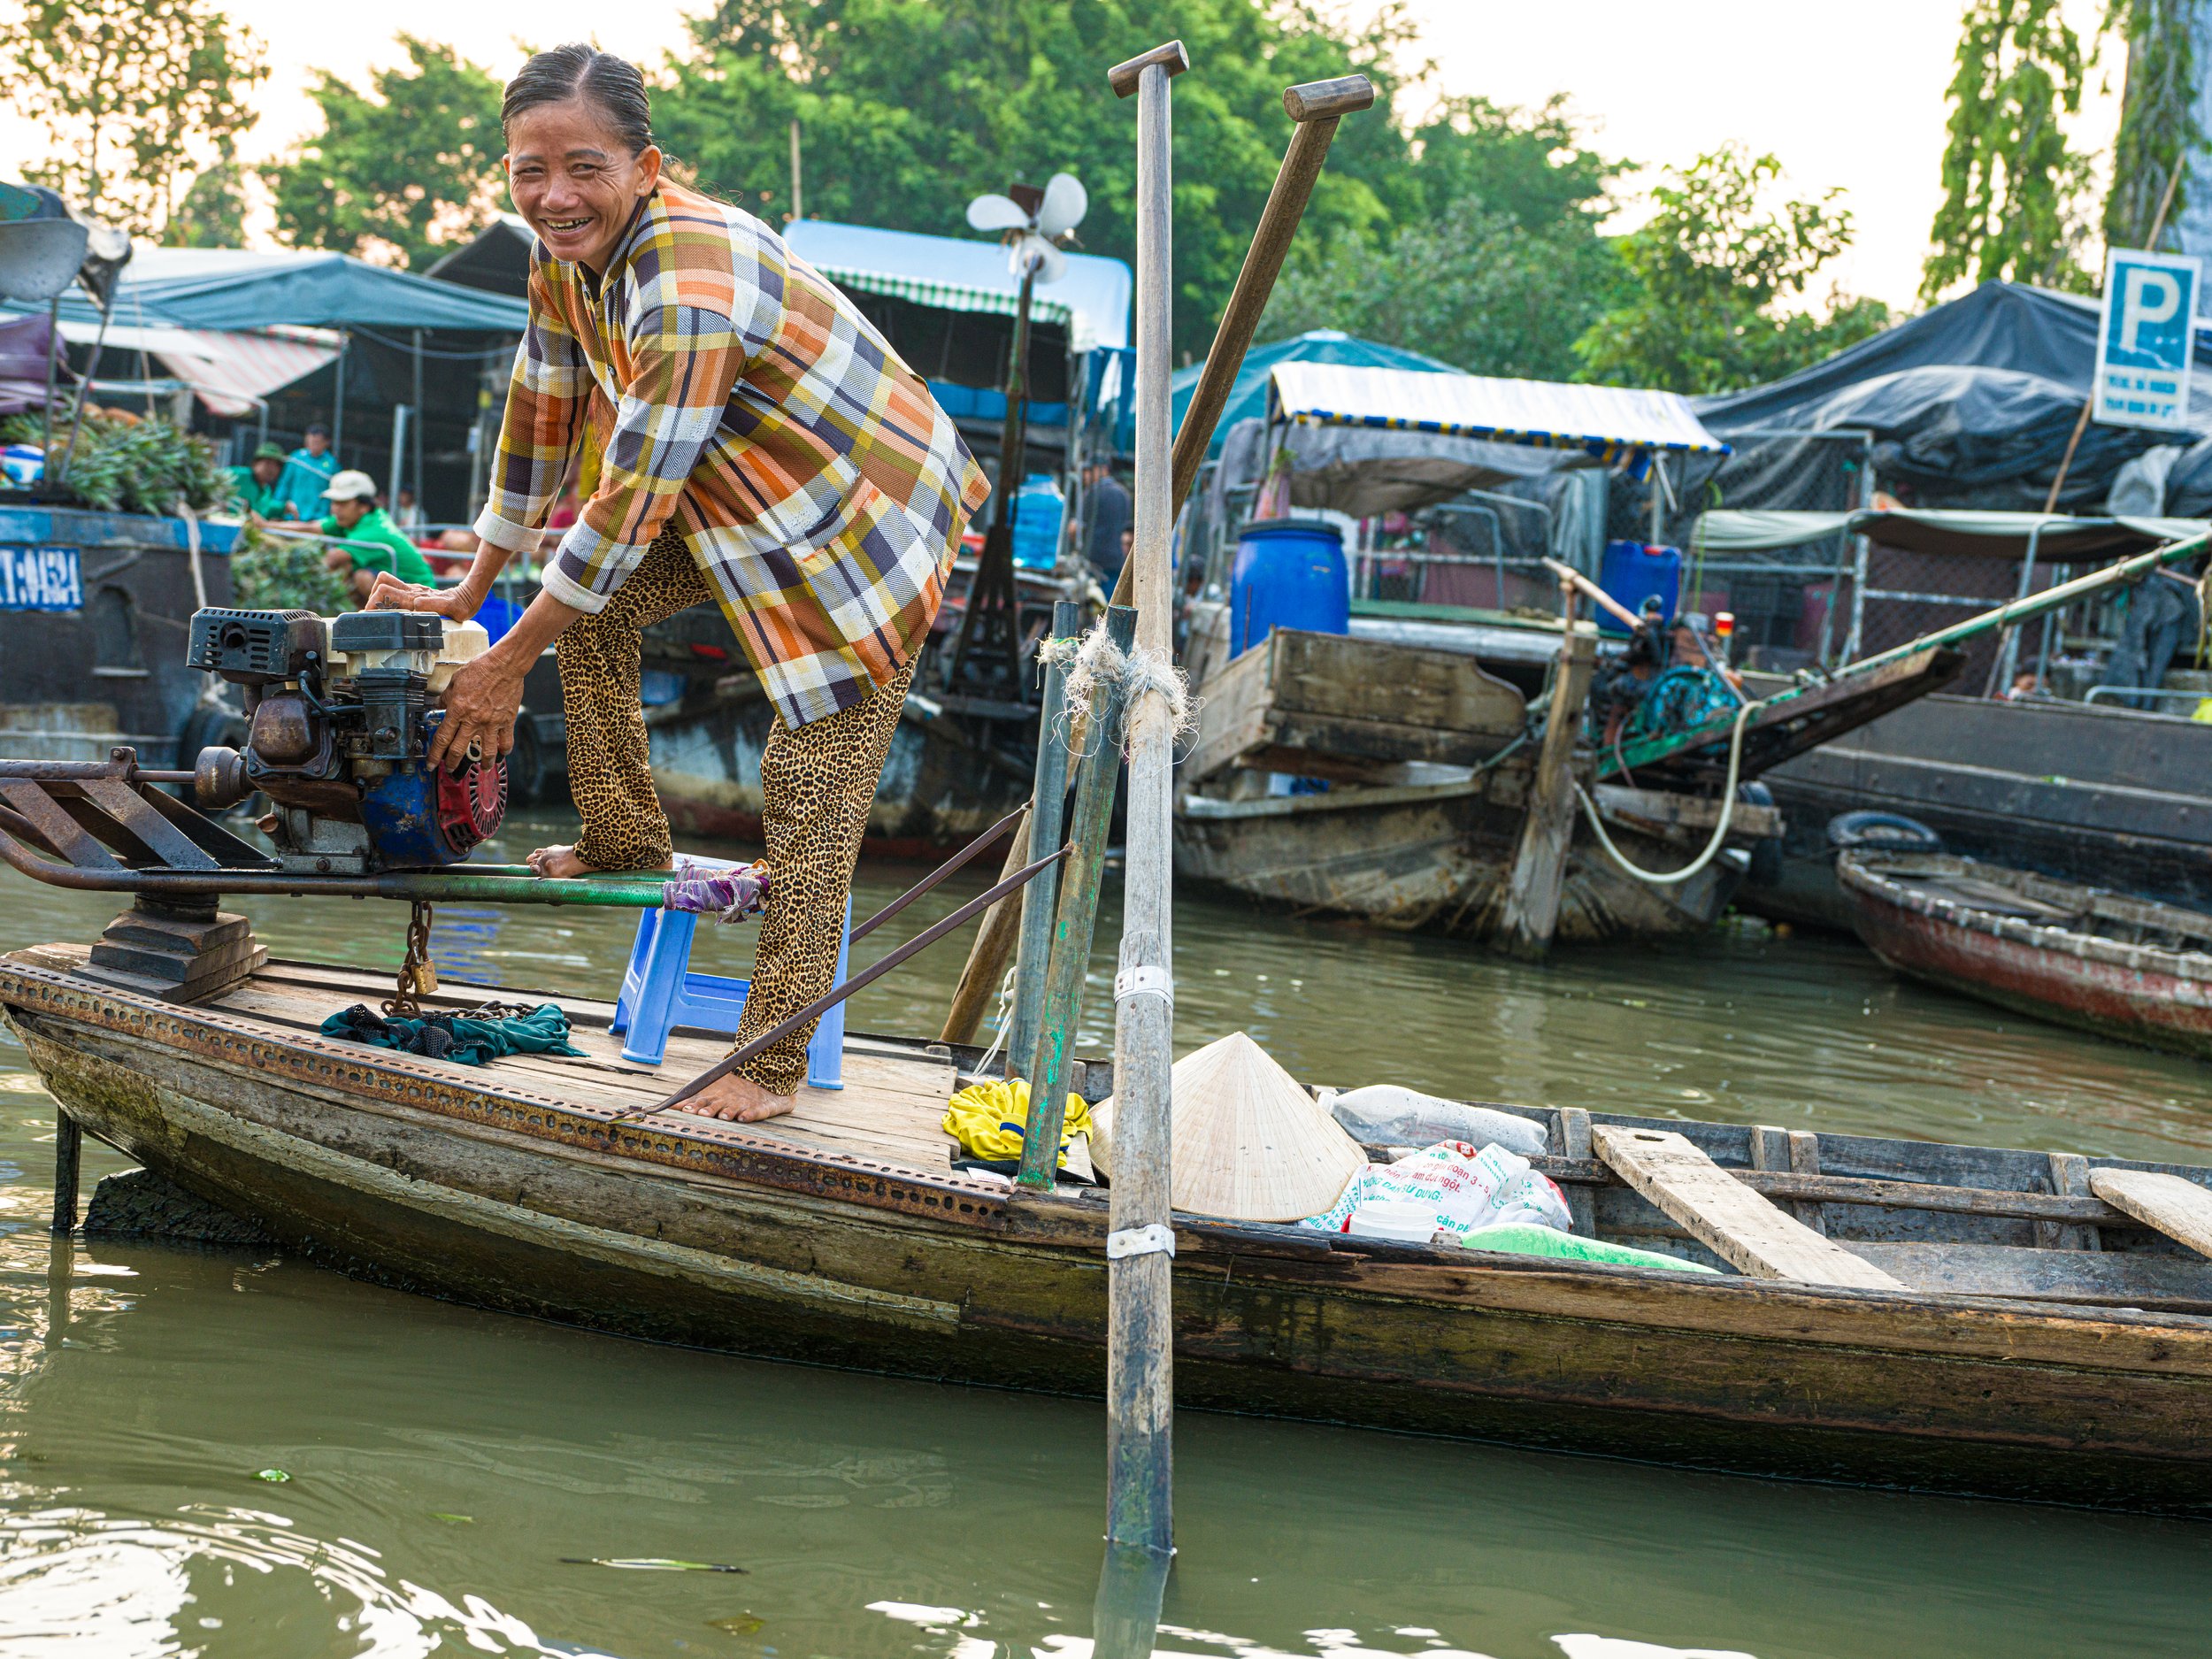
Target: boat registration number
[41, 579]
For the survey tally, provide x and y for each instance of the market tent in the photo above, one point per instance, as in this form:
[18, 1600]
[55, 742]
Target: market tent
[230, 371]
[2006, 535]
[1247, 397]
[235, 288]
[1371, 441]
[962, 274]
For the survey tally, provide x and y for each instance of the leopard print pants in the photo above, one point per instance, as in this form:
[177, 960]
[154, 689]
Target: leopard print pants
[818, 782]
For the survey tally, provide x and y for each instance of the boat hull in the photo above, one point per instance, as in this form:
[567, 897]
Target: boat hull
[475, 1188]
[1438, 863]
[2127, 993]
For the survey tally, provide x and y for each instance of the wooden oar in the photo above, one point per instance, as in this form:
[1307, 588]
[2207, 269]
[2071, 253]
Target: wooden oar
[867, 976]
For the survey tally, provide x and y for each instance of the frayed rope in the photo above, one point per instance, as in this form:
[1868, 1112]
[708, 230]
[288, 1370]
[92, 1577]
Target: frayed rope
[1095, 660]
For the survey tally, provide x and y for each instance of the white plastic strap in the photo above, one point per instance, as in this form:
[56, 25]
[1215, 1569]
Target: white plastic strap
[1152, 1241]
[1144, 982]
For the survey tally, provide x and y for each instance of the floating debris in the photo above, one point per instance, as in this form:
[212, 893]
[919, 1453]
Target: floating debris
[648, 1563]
[452, 1520]
[275, 1476]
[741, 1624]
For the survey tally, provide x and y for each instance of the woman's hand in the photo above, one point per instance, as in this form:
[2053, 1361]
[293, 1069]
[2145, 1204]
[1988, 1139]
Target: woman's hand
[481, 703]
[454, 604]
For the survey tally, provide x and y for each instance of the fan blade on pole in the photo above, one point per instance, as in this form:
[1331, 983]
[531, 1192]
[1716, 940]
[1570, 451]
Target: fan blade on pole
[994, 213]
[1052, 265]
[1064, 204]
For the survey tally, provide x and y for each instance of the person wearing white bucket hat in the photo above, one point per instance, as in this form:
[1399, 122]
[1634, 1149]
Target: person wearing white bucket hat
[369, 542]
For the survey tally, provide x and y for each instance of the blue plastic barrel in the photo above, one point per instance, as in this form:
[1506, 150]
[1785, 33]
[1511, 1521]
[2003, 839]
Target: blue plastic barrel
[1632, 573]
[1038, 507]
[1289, 573]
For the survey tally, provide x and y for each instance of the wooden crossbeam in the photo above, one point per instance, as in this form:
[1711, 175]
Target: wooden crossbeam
[1735, 1222]
[2179, 1209]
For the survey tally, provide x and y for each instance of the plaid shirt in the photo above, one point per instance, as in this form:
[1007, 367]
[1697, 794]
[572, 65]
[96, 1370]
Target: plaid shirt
[818, 485]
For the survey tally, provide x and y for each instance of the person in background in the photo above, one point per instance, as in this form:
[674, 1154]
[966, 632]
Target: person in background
[308, 471]
[371, 541]
[2022, 686]
[564, 510]
[256, 483]
[1107, 546]
[406, 511]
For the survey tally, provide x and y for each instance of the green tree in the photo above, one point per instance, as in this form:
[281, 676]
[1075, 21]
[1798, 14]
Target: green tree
[1498, 265]
[404, 168]
[2159, 130]
[131, 93]
[212, 213]
[909, 108]
[2013, 190]
[1709, 276]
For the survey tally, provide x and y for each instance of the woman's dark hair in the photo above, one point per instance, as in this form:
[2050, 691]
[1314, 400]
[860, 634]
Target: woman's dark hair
[610, 84]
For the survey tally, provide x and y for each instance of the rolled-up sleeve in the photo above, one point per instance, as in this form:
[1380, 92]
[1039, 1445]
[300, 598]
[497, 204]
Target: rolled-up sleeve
[685, 360]
[537, 437]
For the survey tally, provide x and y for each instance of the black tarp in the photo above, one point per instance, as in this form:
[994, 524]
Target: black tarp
[1970, 404]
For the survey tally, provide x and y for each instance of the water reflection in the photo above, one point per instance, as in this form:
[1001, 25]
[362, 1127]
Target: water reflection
[448, 1467]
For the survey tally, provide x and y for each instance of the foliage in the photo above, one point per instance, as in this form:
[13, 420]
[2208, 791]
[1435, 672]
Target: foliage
[279, 572]
[908, 108]
[2013, 190]
[212, 213]
[122, 464]
[2158, 123]
[408, 166]
[1707, 277]
[129, 91]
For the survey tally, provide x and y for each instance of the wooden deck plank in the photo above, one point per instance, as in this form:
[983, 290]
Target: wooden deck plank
[1738, 1225]
[2179, 1209]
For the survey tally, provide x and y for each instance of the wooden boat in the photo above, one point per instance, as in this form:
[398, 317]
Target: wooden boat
[1954, 1317]
[2121, 967]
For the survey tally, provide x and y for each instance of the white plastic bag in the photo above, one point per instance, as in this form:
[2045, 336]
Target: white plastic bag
[1390, 1114]
[1466, 1188]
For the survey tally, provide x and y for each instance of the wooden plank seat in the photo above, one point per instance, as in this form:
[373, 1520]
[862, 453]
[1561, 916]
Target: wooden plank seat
[2179, 1209]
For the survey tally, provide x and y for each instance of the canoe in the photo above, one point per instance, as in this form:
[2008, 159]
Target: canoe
[1893, 1313]
[2126, 968]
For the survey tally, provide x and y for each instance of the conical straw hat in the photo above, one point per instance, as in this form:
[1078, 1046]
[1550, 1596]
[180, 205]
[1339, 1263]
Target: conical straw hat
[1246, 1141]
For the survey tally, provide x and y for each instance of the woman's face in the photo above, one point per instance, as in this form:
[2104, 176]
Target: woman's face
[574, 180]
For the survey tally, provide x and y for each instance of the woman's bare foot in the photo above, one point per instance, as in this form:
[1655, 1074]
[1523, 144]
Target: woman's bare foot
[738, 1099]
[562, 864]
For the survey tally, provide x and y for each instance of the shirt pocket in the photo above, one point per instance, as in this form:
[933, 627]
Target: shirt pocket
[866, 562]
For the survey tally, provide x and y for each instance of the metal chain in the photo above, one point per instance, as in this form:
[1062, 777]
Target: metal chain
[417, 978]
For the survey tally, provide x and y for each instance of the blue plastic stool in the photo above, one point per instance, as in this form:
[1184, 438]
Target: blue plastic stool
[659, 992]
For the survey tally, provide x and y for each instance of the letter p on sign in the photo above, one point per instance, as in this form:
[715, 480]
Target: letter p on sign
[2145, 341]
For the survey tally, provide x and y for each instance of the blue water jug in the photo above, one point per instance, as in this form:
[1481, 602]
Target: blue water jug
[1038, 507]
[1632, 573]
[1289, 573]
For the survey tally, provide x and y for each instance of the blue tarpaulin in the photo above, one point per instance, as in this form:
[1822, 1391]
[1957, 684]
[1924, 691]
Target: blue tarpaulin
[232, 288]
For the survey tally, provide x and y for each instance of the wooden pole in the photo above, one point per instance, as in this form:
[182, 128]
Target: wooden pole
[1040, 898]
[1050, 1061]
[1315, 107]
[1141, 1335]
[1530, 913]
[68, 1148]
[987, 956]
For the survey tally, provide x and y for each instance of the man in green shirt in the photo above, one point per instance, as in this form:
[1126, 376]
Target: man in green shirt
[371, 542]
[258, 495]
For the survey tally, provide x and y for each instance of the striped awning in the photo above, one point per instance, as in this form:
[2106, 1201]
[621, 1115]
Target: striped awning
[229, 371]
[948, 297]
[1611, 423]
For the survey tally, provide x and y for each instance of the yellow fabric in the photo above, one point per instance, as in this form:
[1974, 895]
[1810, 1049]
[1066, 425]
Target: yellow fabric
[2203, 711]
[987, 1118]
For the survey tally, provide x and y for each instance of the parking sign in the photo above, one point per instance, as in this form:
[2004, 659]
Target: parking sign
[2145, 339]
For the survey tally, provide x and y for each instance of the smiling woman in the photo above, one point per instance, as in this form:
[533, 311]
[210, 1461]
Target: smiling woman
[758, 445]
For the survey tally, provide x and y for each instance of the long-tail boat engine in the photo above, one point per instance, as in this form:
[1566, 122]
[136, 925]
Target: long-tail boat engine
[339, 718]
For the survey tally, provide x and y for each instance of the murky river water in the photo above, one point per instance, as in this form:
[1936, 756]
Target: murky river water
[452, 1473]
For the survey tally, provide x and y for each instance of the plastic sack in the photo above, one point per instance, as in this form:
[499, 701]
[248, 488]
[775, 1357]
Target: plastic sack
[1519, 1240]
[1387, 1115]
[988, 1120]
[1468, 1189]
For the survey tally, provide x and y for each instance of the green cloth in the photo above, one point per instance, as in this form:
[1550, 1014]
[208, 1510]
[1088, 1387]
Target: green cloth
[378, 544]
[1529, 1241]
[255, 496]
[456, 1036]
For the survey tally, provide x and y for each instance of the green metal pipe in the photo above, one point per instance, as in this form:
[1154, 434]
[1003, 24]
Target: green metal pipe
[1048, 800]
[1077, 918]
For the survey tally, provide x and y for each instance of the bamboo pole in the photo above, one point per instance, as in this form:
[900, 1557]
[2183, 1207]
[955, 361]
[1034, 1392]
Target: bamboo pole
[1073, 925]
[1317, 106]
[1140, 1356]
[1040, 898]
[1531, 912]
[989, 955]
